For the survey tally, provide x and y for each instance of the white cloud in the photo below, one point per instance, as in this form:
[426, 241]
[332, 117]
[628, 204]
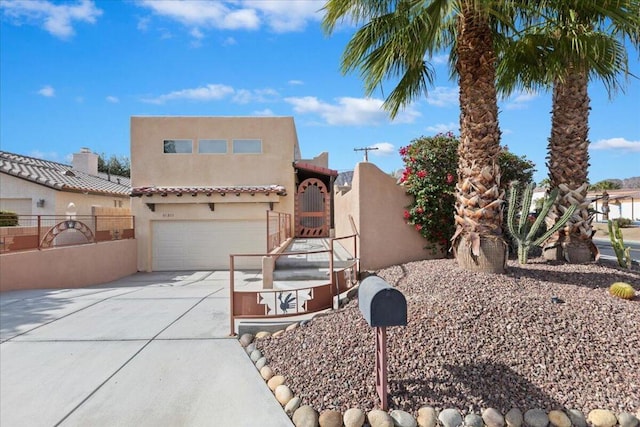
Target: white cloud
[47, 91]
[45, 155]
[210, 92]
[143, 23]
[440, 59]
[296, 82]
[443, 96]
[57, 19]
[205, 14]
[196, 33]
[245, 96]
[383, 149]
[229, 41]
[444, 127]
[265, 112]
[113, 99]
[521, 100]
[350, 111]
[285, 16]
[616, 144]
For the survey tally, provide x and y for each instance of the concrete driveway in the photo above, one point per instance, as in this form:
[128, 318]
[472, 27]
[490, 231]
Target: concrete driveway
[148, 350]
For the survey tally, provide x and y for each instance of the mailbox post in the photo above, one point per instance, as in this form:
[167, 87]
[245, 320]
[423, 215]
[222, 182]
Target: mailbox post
[381, 305]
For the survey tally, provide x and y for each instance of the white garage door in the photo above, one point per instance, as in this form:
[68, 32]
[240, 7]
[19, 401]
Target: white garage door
[206, 245]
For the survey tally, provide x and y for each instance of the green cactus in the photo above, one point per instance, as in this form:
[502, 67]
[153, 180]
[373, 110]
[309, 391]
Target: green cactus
[615, 235]
[523, 231]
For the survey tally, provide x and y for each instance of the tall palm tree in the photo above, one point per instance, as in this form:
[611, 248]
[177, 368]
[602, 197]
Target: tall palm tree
[571, 42]
[392, 44]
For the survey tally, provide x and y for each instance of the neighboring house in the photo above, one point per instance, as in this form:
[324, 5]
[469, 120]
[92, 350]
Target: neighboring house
[202, 187]
[31, 186]
[624, 203]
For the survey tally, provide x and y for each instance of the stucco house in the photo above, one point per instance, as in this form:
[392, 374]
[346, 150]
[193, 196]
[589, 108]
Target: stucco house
[202, 187]
[31, 186]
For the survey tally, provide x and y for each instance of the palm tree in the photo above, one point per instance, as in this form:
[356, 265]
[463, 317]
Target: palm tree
[572, 42]
[392, 44]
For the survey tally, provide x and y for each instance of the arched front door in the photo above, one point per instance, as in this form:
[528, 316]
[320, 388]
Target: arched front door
[312, 209]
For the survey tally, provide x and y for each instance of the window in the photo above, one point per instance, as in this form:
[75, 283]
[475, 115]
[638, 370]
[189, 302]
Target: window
[247, 146]
[212, 146]
[180, 146]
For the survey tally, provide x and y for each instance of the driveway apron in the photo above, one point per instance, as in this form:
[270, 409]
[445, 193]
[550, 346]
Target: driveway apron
[148, 350]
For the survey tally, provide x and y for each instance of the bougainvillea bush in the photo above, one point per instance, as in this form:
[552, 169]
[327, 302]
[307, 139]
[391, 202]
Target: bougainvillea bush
[430, 177]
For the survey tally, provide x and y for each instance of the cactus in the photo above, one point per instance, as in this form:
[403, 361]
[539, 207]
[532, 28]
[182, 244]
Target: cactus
[622, 290]
[617, 243]
[524, 232]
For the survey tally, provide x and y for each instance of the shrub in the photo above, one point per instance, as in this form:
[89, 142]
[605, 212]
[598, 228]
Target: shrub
[623, 222]
[430, 176]
[8, 219]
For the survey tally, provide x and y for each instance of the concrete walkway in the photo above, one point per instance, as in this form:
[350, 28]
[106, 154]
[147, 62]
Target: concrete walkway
[148, 350]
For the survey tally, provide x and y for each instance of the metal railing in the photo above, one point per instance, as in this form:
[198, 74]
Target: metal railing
[278, 229]
[279, 303]
[29, 232]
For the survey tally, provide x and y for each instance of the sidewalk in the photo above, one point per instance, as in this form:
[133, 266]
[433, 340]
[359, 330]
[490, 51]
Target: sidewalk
[147, 350]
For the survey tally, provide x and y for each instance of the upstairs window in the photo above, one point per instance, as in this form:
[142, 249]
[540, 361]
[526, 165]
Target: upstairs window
[212, 146]
[178, 146]
[247, 146]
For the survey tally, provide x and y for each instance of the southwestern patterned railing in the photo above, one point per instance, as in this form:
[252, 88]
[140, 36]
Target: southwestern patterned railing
[281, 303]
[29, 232]
[278, 229]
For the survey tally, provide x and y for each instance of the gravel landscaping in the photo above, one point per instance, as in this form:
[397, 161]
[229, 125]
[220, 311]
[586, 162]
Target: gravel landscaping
[477, 341]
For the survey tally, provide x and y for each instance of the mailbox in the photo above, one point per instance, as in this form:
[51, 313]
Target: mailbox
[380, 304]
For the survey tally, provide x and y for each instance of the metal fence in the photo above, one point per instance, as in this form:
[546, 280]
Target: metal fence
[278, 229]
[29, 232]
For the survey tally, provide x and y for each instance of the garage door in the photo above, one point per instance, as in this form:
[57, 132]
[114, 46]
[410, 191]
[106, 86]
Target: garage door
[206, 245]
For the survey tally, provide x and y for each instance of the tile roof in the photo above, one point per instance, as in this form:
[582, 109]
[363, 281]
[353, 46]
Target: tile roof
[313, 168]
[62, 177]
[250, 189]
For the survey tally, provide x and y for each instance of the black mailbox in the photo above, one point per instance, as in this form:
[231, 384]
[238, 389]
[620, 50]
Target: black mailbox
[380, 304]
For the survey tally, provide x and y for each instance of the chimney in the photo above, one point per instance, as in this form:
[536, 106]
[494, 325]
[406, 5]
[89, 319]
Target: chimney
[86, 161]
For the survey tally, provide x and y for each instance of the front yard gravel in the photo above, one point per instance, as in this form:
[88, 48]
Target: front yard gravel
[477, 341]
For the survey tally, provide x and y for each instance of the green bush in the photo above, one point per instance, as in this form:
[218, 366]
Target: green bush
[8, 219]
[623, 222]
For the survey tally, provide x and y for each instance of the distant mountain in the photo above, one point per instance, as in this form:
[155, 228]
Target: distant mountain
[633, 182]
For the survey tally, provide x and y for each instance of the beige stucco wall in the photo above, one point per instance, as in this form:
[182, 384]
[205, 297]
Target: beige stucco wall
[56, 201]
[68, 267]
[151, 167]
[376, 204]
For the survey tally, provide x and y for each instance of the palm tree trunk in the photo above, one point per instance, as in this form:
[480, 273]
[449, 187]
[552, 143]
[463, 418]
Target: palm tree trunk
[568, 163]
[478, 241]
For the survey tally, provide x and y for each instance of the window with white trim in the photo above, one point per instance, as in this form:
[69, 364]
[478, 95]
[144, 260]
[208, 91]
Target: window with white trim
[212, 146]
[178, 146]
[247, 146]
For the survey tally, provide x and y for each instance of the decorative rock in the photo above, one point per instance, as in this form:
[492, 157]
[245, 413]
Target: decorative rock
[427, 417]
[283, 394]
[625, 419]
[250, 348]
[473, 420]
[536, 418]
[277, 333]
[305, 416]
[403, 419]
[577, 418]
[353, 417]
[291, 327]
[559, 419]
[450, 417]
[246, 339]
[261, 363]
[266, 372]
[263, 334]
[378, 418]
[602, 418]
[255, 355]
[514, 418]
[330, 418]
[274, 382]
[292, 405]
[492, 418]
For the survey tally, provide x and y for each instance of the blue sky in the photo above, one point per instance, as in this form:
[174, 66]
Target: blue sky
[73, 73]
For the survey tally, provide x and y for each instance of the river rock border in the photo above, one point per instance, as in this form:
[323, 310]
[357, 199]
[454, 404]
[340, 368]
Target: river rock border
[427, 416]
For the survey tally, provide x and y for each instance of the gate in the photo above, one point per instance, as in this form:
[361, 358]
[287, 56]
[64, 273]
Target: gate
[312, 209]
